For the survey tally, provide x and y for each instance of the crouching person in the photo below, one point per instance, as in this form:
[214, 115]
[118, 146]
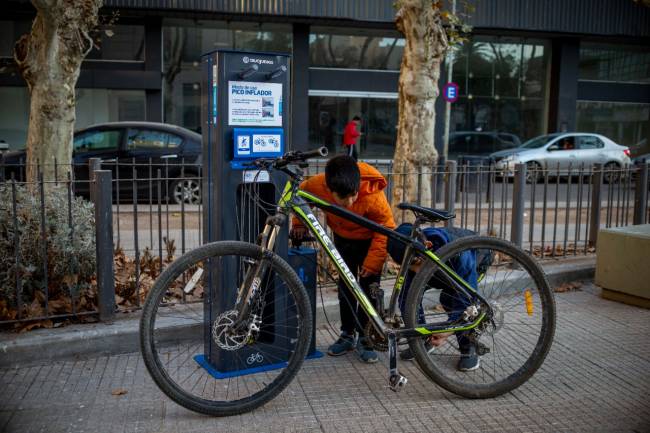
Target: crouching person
[466, 267]
[358, 187]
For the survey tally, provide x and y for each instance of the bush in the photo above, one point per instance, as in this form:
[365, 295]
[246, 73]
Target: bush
[70, 251]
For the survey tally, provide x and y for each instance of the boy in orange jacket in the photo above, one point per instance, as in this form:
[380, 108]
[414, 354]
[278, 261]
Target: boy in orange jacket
[359, 187]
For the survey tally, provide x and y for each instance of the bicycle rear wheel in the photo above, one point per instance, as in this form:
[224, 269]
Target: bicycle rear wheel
[511, 342]
[193, 354]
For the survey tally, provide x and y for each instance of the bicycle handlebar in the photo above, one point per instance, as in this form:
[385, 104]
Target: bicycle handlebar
[298, 156]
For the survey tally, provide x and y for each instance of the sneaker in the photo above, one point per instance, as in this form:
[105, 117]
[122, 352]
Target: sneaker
[469, 359]
[343, 345]
[365, 352]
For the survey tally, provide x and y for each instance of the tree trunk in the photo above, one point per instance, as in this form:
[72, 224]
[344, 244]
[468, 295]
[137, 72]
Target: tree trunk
[49, 59]
[426, 44]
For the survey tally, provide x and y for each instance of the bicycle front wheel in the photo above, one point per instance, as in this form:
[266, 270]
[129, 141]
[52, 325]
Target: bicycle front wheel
[510, 344]
[190, 347]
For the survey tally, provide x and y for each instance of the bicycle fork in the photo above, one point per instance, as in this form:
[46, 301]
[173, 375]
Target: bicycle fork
[252, 282]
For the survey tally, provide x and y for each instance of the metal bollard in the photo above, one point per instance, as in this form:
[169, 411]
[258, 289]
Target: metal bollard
[518, 205]
[596, 197]
[450, 190]
[102, 193]
[641, 194]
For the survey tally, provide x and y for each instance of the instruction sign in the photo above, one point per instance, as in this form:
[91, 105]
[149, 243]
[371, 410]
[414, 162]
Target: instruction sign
[266, 143]
[254, 104]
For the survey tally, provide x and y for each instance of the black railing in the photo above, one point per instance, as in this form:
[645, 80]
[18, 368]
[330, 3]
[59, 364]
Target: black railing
[153, 213]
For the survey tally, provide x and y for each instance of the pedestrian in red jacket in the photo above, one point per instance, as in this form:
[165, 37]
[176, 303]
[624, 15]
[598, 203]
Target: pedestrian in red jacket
[350, 136]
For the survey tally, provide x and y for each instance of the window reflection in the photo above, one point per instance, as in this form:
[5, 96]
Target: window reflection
[119, 42]
[614, 63]
[627, 124]
[328, 116]
[355, 52]
[502, 83]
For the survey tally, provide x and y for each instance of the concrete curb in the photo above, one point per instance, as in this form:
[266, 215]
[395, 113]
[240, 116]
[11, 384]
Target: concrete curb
[122, 336]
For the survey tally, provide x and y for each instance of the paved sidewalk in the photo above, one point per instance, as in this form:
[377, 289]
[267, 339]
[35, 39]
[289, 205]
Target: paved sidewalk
[595, 379]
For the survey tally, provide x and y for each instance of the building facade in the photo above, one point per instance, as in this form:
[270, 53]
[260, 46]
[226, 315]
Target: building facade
[531, 67]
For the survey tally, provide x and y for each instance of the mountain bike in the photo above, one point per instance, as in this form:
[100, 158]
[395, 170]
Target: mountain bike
[506, 309]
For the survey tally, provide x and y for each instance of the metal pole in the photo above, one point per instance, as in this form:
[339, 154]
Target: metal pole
[450, 190]
[596, 197]
[103, 194]
[518, 205]
[640, 194]
[94, 164]
[450, 71]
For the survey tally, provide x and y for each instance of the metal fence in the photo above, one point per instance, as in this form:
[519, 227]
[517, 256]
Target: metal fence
[46, 236]
[142, 225]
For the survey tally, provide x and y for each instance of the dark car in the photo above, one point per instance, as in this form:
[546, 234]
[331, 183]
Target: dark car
[142, 148]
[475, 147]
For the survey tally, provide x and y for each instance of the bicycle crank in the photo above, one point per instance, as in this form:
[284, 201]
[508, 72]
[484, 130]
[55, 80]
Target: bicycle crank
[396, 381]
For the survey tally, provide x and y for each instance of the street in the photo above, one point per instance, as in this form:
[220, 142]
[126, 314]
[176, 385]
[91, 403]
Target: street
[593, 380]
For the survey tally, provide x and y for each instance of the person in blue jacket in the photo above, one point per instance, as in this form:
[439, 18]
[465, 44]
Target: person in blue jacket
[465, 266]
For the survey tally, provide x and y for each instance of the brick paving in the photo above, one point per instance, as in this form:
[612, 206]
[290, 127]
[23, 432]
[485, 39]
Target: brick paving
[595, 379]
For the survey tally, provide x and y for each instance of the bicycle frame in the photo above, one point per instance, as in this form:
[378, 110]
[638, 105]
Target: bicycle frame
[299, 202]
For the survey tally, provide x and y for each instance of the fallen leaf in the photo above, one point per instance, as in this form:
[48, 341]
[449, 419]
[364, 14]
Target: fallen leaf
[119, 391]
[34, 325]
[567, 287]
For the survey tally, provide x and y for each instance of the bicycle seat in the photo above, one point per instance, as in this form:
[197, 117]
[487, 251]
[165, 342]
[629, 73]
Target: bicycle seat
[431, 215]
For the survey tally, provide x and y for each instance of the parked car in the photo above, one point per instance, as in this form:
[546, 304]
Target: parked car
[140, 147]
[559, 151]
[640, 159]
[474, 148]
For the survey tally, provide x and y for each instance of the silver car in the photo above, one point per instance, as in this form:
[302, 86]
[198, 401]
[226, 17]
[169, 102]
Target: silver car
[560, 152]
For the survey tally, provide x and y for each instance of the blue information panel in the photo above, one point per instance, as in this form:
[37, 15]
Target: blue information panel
[252, 143]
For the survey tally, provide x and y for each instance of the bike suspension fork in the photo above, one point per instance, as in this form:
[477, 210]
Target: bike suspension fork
[252, 281]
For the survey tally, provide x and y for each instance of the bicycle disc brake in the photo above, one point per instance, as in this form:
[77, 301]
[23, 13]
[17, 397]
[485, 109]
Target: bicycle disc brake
[225, 334]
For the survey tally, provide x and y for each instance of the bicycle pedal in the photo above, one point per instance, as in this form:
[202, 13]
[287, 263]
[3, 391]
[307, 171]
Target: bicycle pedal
[397, 382]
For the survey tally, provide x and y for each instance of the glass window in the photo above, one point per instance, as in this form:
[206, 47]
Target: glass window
[625, 123]
[14, 117]
[119, 42]
[93, 106]
[103, 105]
[328, 116]
[10, 32]
[502, 86]
[589, 142]
[148, 139]
[97, 140]
[184, 42]
[565, 143]
[541, 141]
[617, 63]
[330, 50]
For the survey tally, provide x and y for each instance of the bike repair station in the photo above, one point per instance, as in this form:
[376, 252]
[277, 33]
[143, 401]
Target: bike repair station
[245, 115]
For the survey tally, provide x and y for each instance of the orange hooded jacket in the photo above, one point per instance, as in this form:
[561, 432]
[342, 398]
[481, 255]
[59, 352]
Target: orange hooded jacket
[371, 204]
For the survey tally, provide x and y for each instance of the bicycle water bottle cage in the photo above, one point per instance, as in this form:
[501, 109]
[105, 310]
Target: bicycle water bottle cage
[427, 214]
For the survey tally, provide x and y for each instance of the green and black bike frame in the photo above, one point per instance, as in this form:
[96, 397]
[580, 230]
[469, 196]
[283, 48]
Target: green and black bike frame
[300, 202]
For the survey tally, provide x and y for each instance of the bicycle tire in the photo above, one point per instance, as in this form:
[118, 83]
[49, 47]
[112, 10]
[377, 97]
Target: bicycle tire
[462, 383]
[152, 304]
